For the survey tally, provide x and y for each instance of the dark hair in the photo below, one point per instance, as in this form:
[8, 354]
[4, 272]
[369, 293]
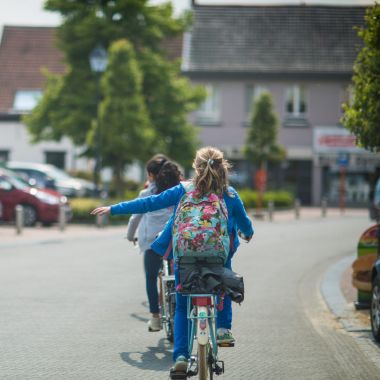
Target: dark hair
[165, 172]
[154, 165]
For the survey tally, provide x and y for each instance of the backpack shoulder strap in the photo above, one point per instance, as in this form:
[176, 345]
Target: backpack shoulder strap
[187, 185]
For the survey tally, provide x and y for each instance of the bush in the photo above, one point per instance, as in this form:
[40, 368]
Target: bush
[281, 199]
[82, 207]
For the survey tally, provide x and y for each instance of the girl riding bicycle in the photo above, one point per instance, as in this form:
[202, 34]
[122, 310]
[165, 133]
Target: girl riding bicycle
[211, 176]
[162, 174]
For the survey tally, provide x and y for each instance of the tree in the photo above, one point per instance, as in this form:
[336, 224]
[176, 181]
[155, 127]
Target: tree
[69, 105]
[124, 126]
[261, 143]
[362, 117]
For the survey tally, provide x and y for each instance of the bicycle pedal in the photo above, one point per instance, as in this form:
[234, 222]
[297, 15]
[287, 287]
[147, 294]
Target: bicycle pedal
[219, 369]
[230, 344]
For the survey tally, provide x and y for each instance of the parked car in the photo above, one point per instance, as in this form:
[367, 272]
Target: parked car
[375, 301]
[49, 176]
[39, 205]
[375, 202]
[375, 295]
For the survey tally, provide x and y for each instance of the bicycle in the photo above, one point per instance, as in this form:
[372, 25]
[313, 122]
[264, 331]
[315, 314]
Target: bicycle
[201, 313]
[167, 299]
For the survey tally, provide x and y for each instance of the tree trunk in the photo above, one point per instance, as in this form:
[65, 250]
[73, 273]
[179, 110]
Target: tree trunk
[260, 180]
[118, 171]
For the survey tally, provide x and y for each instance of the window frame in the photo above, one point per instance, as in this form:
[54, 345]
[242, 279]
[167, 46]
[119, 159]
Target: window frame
[209, 113]
[298, 95]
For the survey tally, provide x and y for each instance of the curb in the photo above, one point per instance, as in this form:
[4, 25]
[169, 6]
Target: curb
[345, 312]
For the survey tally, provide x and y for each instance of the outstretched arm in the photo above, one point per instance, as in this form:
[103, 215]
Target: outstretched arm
[165, 199]
[101, 210]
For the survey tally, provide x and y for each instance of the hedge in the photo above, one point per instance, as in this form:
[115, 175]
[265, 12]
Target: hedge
[281, 199]
[82, 206]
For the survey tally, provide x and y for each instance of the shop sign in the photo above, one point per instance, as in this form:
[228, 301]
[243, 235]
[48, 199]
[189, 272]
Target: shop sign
[334, 140]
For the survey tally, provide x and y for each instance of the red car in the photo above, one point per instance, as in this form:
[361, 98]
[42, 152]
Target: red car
[38, 205]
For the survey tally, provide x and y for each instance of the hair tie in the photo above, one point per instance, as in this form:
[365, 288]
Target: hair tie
[210, 162]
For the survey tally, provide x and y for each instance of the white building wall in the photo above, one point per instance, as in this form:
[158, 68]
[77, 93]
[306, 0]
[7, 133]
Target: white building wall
[15, 138]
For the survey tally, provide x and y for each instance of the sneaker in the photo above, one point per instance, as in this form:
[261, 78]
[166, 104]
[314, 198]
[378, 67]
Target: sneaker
[224, 336]
[154, 324]
[180, 365]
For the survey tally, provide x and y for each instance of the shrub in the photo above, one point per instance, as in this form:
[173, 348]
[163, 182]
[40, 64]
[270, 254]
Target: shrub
[281, 199]
[82, 207]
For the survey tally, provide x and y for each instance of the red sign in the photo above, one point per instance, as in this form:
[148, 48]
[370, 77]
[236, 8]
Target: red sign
[337, 141]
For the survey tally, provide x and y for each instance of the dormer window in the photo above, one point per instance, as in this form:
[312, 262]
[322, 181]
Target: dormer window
[26, 100]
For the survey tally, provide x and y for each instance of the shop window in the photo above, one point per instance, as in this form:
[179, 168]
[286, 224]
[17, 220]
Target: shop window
[56, 158]
[209, 112]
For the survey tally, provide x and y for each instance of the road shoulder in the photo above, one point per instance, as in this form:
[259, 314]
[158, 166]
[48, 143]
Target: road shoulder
[356, 323]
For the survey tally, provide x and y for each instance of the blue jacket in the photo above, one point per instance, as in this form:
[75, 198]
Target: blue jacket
[237, 216]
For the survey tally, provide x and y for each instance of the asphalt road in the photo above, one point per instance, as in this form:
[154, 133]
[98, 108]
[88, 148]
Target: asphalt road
[75, 309]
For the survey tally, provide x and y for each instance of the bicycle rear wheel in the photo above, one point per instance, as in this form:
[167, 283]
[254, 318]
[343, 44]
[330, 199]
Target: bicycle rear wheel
[202, 362]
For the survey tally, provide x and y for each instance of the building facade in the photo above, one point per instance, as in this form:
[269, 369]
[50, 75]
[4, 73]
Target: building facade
[303, 56]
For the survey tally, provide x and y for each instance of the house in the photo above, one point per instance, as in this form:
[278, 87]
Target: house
[24, 53]
[303, 55]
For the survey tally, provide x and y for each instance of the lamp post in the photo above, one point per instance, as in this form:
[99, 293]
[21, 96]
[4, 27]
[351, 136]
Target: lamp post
[98, 62]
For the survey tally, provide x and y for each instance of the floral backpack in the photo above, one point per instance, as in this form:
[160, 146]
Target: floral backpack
[200, 225]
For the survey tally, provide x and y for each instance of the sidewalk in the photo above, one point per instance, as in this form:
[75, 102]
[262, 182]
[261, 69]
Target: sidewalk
[340, 295]
[8, 235]
[310, 213]
[38, 234]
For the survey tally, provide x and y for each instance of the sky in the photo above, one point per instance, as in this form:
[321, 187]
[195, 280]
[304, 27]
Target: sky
[30, 12]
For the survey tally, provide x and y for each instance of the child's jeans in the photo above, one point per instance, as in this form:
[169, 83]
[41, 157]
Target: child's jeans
[224, 319]
[152, 265]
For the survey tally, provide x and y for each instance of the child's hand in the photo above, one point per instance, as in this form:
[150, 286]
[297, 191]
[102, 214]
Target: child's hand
[245, 238]
[101, 210]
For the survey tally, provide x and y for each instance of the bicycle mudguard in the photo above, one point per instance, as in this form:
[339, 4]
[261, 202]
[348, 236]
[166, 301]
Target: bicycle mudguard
[178, 375]
[202, 325]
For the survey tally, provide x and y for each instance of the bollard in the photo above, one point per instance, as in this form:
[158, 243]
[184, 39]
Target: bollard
[100, 221]
[270, 210]
[324, 207]
[297, 205]
[19, 219]
[62, 217]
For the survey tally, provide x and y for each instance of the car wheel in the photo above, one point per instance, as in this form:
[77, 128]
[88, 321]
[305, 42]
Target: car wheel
[375, 308]
[30, 215]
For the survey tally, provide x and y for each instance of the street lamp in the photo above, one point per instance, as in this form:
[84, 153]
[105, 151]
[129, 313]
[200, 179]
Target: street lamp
[98, 62]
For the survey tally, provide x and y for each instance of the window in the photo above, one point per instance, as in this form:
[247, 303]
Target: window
[26, 100]
[296, 101]
[209, 112]
[4, 156]
[251, 93]
[348, 96]
[55, 158]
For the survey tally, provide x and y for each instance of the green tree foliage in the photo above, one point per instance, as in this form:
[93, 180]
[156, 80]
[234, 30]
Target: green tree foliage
[124, 127]
[362, 117]
[69, 105]
[261, 143]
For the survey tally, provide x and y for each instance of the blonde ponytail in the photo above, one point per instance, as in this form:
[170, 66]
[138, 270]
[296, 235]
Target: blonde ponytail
[211, 171]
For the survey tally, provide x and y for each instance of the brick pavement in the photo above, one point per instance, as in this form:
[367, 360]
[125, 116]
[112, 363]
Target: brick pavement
[81, 325]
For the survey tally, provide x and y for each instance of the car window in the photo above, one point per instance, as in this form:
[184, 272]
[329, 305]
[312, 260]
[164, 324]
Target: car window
[5, 185]
[18, 183]
[57, 174]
